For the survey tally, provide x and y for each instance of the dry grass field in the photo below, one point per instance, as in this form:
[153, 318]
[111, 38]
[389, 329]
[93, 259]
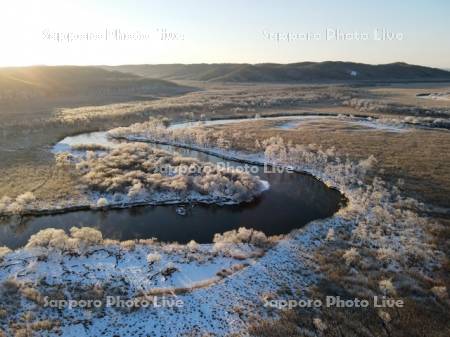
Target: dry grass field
[415, 160]
[406, 94]
[419, 157]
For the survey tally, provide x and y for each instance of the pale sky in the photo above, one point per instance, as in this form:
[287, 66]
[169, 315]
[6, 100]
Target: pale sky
[224, 31]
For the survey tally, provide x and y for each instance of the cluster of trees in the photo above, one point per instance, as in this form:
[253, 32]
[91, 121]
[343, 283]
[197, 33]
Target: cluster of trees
[386, 231]
[368, 105]
[431, 122]
[193, 105]
[136, 170]
[385, 221]
[89, 147]
[243, 243]
[156, 130]
[244, 235]
[380, 106]
[79, 239]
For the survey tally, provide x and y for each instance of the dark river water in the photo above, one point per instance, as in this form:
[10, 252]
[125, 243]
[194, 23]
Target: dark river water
[292, 201]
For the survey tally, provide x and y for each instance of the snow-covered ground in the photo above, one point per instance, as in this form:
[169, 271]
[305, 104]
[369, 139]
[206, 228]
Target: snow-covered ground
[91, 138]
[206, 290]
[367, 123]
[221, 286]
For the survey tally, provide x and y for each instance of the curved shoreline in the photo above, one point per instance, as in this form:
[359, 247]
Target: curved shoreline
[234, 156]
[90, 207]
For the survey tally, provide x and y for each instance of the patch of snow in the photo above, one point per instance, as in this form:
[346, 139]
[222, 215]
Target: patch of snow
[438, 96]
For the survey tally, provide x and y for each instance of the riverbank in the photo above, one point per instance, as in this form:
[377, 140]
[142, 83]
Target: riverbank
[296, 260]
[377, 245]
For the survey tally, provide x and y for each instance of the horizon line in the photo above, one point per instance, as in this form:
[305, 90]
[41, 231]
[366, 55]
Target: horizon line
[214, 63]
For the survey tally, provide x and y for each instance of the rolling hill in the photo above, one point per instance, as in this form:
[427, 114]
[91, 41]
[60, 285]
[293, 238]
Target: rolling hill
[294, 72]
[47, 83]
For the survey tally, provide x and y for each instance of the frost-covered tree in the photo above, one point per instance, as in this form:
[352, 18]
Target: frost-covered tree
[153, 258]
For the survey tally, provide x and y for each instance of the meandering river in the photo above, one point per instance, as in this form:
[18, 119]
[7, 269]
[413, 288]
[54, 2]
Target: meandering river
[293, 200]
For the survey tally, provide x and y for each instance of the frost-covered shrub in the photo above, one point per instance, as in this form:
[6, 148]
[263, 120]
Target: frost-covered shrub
[22, 203]
[110, 242]
[49, 238]
[15, 208]
[192, 107]
[5, 201]
[153, 257]
[275, 150]
[89, 147]
[63, 159]
[128, 245]
[45, 324]
[87, 236]
[368, 163]
[384, 315]
[242, 235]
[233, 252]
[440, 292]
[138, 170]
[193, 246]
[102, 202]
[382, 217]
[25, 198]
[173, 248]
[387, 287]
[367, 105]
[31, 294]
[242, 243]
[351, 256]
[386, 254]
[198, 136]
[259, 239]
[136, 191]
[330, 235]
[52, 238]
[319, 324]
[431, 122]
[148, 242]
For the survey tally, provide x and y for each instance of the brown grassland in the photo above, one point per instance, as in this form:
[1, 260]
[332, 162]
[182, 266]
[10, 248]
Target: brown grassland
[26, 136]
[420, 158]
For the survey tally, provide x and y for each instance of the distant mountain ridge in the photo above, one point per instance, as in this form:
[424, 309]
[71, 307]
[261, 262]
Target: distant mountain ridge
[328, 71]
